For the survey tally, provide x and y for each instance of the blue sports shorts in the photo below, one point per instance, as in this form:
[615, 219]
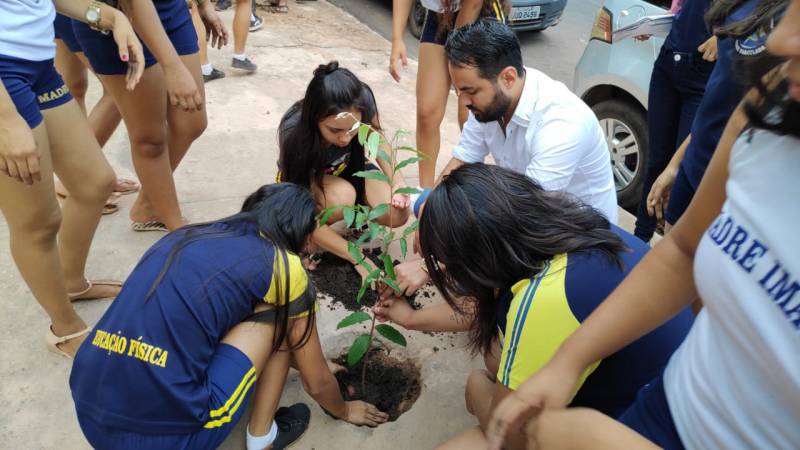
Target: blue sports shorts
[63, 26]
[231, 380]
[102, 52]
[649, 416]
[33, 86]
[430, 29]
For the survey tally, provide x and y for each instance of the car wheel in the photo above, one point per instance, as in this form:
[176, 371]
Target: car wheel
[625, 127]
[416, 19]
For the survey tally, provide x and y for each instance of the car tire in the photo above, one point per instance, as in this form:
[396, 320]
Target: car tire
[416, 19]
[625, 119]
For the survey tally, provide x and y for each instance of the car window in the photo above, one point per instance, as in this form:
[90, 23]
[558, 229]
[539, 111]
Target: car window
[660, 3]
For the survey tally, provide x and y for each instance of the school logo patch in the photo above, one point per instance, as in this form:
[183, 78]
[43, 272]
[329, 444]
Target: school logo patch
[753, 44]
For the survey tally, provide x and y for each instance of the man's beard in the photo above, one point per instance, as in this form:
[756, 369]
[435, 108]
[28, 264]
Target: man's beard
[495, 111]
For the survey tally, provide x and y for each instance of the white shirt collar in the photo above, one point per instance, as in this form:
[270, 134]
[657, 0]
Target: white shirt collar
[527, 101]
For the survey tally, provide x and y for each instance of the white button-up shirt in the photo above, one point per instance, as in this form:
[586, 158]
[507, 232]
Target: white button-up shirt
[553, 138]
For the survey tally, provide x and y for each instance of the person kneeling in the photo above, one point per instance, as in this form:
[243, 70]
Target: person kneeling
[524, 267]
[211, 316]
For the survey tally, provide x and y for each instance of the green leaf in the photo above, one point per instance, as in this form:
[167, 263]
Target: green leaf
[374, 230]
[358, 350]
[403, 247]
[361, 218]
[384, 156]
[407, 190]
[378, 211]
[374, 275]
[392, 284]
[406, 162]
[406, 148]
[372, 175]
[363, 132]
[352, 319]
[373, 142]
[326, 214]
[349, 216]
[388, 266]
[363, 238]
[411, 228]
[354, 252]
[390, 333]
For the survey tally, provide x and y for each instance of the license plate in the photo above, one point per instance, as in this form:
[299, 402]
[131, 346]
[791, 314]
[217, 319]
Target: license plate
[525, 13]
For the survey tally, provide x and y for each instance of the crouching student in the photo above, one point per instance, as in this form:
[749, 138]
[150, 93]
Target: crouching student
[211, 318]
[523, 267]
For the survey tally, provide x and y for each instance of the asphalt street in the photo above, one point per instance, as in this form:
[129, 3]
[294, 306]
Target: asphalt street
[555, 51]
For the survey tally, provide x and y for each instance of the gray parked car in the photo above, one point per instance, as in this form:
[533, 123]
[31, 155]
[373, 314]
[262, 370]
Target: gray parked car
[613, 78]
[526, 15]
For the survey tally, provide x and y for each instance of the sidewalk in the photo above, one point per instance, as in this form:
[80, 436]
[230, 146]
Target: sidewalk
[237, 153]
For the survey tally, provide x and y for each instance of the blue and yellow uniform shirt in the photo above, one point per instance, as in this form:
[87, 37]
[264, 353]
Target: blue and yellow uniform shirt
[143, 367]
[538, 314]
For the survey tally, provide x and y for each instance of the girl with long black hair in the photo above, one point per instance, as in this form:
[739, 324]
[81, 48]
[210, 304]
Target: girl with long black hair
[733, 383]
[528, 266]
[211, 311]
[318, 150]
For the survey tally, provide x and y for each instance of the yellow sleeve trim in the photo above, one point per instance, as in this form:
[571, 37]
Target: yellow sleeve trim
[298, 280]
[539, 320]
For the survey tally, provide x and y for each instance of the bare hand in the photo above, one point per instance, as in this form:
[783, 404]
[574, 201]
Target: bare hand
[399, 54]
[335, 368]
[395, 309]
[362, 413]
[401, 201]
[19, 157]
[551, 387]
[658, 198]
[216, 33]
[410, 277]
[130, 49]
[182, 89]
[709, 49]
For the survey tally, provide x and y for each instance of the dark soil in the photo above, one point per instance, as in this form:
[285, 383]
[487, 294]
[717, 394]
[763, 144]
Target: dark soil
[392, 385]
[339, 279]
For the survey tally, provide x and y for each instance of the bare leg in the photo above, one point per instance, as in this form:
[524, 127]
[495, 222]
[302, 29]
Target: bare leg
[241, 26]
[469, 439]
[145, 114]
[378, 192]
[555, 429]
[186, 126]
[33, 218]
[74, 73]
[336, 191]
[433, 87]
[81, 166]
[104, 117]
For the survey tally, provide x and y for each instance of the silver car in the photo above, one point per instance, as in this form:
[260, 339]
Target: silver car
[613, 78]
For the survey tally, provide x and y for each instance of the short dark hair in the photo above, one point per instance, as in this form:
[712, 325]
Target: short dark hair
[488, 45]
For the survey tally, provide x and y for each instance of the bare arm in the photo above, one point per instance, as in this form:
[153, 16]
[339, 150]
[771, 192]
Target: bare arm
[468, 12]
[19, 155]
[451, 166]
[400, 11]
[317, 379]
[441, 317]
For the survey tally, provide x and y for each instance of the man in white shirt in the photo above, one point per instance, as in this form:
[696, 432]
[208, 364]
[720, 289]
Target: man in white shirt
[527, 121]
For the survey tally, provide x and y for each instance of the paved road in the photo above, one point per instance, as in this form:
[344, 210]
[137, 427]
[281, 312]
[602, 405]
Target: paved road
[554, 51]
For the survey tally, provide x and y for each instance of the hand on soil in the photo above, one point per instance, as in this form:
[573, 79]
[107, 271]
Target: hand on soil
[362, 413]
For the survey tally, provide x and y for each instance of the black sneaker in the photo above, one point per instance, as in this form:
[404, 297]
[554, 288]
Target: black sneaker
[292, 423]
[244, 64]
[222, 5]
[256, 23]
[214, 75]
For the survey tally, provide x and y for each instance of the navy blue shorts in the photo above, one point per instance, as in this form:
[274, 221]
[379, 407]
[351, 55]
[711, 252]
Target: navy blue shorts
[649, 416]
[430, 29]
[230, 381]
[33, 86]
[102, 52]
[679, 197]
[63, 26]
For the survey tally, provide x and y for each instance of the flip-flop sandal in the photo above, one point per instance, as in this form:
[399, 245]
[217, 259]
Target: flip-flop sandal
[78, 296]
[54, 341]
[150, 225]
[125, 186]
[278, 9]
